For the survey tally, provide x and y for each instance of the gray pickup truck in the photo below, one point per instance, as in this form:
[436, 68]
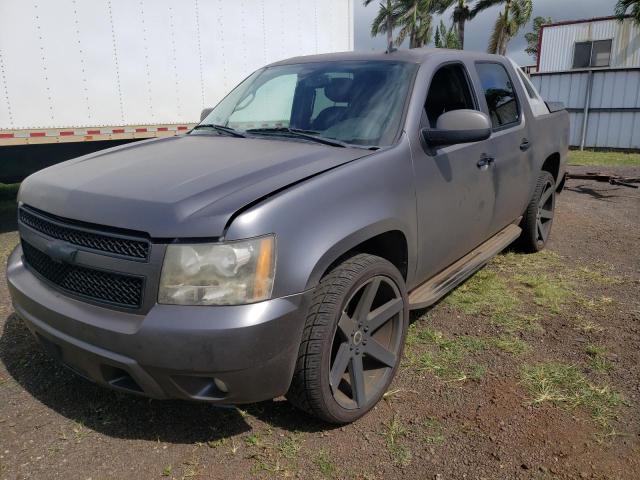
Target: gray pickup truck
[278, 247]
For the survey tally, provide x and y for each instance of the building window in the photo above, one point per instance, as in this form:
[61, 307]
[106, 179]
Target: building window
[592, 54]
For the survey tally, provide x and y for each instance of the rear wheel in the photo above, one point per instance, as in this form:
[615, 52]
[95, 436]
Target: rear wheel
[538, 217]
[352, 341]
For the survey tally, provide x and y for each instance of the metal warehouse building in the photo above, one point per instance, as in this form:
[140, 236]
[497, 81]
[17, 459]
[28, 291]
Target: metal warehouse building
[593, 67]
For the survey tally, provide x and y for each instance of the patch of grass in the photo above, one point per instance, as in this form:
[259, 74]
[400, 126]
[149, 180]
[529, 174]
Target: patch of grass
[566, 386]
[587, 274]
[512, 345]
[598, 358]
[512, 262]
[434, 434]
[587, 326]
[400, 454]
[289, 447]
[604, 159]
[267, 466]
[548, 291]
[447, 358]
[596, 304]
[325, 465]
[600, 364]
[234, 447]
[167, 471]
[216, 443]
[190, 469]
[594, 350]
[471, 344]
[80, 431]
[518, 322]
[251, 440]
[485, 292]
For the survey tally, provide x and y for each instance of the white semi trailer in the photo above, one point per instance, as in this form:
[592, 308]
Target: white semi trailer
[96, 70]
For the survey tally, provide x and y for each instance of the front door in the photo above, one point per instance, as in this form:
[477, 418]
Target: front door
[454, 187]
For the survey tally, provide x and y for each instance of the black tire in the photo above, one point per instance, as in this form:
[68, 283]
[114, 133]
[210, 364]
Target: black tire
[341, 328]
[538, 217]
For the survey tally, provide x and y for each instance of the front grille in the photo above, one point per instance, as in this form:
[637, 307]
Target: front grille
[103, 242]
[113, 288]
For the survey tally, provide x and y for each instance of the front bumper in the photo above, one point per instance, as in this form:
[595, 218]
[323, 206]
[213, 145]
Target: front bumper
[171, 351]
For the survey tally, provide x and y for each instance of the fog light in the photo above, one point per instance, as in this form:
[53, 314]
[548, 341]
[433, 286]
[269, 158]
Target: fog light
[220, 385]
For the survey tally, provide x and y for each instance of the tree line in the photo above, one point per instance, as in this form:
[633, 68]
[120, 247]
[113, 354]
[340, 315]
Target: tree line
[413, 19]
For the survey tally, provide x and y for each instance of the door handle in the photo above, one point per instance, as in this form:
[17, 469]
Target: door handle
[525, 145]
[485, 162]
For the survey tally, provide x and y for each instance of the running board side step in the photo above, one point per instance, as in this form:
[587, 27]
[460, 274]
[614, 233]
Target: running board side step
[435, 288]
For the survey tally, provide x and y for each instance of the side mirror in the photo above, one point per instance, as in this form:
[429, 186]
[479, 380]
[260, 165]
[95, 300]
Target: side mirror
[458, 126]
[204, 113]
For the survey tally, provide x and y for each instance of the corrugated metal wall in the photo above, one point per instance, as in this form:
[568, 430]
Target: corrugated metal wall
[558, 43]
[614, 109]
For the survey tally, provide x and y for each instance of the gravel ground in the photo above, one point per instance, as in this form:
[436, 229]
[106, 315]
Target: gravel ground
[528, 370]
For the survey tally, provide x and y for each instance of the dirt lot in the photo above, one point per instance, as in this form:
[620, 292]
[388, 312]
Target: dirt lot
[529, 370]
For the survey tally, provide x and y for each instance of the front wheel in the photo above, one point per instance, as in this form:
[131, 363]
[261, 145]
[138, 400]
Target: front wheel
[538, 217]
[352, 341]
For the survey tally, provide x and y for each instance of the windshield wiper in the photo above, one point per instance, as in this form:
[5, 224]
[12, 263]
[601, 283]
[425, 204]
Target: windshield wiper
[220, 128]
[297, 132]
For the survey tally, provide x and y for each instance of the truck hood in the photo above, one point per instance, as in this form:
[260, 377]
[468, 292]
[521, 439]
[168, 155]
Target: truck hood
[184, 186]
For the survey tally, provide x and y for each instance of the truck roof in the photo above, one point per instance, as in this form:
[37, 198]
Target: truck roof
[414, 55]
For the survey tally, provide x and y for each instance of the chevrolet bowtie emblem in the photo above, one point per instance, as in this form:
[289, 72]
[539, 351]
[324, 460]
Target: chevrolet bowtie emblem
[61, 252]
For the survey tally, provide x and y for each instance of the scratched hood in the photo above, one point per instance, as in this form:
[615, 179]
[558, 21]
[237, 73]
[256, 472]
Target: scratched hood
[184, 186]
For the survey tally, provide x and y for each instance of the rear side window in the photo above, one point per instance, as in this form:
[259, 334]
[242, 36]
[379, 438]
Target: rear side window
[499, 93]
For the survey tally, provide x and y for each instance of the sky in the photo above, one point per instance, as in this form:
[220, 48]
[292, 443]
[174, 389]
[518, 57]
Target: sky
[478, 30]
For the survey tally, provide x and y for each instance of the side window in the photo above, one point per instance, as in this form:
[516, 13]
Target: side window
[499, 93]
[449, 90]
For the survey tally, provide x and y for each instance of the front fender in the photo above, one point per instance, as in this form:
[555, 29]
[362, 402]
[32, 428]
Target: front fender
[320, 219]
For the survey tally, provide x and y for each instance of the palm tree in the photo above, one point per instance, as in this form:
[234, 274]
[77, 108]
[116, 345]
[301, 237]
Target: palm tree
[386, 20]
[624, 5]
[533, 37]
[515, 15]
[447, 38]
[415, 19]
[461, 14]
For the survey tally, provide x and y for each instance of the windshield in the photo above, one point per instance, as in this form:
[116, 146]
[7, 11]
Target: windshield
[357, 103]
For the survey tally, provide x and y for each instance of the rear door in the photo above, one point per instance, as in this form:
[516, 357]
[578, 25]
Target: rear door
[511, 148]
[454, 189]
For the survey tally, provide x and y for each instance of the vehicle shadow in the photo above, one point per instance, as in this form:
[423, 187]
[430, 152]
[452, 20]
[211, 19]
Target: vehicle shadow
[599, 194]
[127, 416]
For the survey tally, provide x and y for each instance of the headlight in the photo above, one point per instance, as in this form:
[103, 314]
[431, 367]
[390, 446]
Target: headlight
[231, 273]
